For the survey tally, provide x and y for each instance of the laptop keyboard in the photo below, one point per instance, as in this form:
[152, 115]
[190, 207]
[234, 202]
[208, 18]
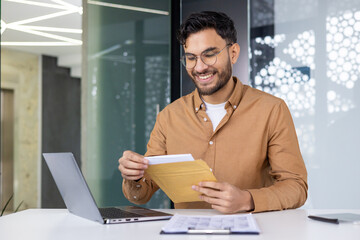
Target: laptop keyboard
[116, 213]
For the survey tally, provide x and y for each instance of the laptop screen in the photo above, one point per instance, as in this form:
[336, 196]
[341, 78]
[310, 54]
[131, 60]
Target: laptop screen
[72, 185]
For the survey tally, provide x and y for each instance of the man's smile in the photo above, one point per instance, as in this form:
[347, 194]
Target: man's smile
[207, 77]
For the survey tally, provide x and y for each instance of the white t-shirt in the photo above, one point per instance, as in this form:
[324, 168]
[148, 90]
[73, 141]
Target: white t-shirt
[216, 113]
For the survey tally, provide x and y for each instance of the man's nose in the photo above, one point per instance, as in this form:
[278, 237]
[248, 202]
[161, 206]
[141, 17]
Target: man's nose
[200, 65]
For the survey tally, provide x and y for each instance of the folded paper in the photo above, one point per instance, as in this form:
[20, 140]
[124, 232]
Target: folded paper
[177, 178]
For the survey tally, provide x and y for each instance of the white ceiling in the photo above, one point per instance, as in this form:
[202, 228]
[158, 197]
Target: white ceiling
[48, 27]
[54, 27]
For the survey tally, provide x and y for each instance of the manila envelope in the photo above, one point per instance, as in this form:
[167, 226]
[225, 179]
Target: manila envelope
[176, 179]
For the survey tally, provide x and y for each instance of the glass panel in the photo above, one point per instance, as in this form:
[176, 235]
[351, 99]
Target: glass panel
[308, 53]
[128, 83]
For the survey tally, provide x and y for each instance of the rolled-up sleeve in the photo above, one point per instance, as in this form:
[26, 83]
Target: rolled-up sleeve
[139, 192]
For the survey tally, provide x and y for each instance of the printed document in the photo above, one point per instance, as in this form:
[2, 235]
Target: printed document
[218, 224]
[170, 158]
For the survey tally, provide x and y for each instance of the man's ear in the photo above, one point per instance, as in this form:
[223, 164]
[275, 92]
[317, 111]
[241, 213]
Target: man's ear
[234, 52]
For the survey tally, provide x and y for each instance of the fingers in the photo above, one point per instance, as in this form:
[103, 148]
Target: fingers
[211, 192]
[223, 197]
[133, 178]
[213, 189]
[132, 165]
[222, 205]
[213, 201]
[131, 174]
[133, 156]
[215, 185]
[218, 199]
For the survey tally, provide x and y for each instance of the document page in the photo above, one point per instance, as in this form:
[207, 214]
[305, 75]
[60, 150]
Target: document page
[170, 158]
[226, 224]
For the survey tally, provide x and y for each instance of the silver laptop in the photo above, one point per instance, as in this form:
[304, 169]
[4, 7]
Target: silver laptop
[79, 200]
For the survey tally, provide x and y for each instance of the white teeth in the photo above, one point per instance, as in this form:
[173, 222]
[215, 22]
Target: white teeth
[205, 77]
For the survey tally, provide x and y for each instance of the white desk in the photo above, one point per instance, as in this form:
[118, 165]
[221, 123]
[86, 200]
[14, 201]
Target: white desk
[53, 224]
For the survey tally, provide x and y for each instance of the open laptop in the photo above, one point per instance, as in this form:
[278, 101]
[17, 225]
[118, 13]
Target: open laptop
[79, 200]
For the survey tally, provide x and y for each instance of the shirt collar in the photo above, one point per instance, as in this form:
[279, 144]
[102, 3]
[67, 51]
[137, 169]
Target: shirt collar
[234, 99]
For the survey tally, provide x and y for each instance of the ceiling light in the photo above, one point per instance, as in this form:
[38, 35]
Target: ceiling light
[3, 26]
[127, 7]
[53, 29]
[40, 4]
[48, 35]
[61, 2]
[39, 44]
[65, 9]
[44, 17]
[69, 6]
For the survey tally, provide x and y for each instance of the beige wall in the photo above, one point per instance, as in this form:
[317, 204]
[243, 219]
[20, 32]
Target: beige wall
[21, 72]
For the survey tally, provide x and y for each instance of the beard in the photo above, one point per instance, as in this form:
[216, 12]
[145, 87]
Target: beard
[223, 79]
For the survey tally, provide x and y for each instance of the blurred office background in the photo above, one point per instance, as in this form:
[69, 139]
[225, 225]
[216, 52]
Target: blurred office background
[89, 77]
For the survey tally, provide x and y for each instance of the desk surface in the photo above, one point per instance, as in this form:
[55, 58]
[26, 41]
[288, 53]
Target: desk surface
[41, 224]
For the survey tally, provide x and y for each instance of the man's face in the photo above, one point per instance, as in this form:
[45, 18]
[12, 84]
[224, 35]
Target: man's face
[209, 79]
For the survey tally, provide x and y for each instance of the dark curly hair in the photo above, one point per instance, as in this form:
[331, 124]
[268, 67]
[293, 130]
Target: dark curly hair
[197, 22]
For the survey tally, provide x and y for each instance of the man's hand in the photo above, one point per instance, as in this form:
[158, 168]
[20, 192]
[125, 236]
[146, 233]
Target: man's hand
[132, 165]
[225, 197]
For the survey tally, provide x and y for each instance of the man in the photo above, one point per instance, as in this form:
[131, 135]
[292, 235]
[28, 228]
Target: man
[247, 137]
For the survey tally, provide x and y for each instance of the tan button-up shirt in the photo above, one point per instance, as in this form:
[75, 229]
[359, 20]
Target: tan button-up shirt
[254, 147]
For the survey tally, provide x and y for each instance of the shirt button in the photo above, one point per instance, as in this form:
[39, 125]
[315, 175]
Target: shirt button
[196, 109]
[211, 142]
[234, 106]
[134, 197]
[205, 119]
[138, 185]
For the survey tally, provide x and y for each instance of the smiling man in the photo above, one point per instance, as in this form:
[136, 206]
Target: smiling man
[246, 136]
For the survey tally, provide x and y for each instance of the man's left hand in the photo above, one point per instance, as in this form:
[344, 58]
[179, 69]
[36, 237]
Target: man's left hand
[224, 197]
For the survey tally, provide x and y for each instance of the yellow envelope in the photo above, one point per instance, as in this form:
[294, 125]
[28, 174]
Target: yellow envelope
[176, 179]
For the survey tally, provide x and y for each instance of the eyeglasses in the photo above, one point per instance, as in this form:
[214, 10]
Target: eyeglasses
[208, 57]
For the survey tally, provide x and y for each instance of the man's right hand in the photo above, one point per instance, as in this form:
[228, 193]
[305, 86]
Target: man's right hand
[132, 165]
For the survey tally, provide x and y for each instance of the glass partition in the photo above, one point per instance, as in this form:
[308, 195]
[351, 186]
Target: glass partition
[307, 52]
[127, 83]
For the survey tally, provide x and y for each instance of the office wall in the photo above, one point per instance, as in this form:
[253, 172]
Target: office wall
[61, 96]
[20, 72]
[238, 11]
